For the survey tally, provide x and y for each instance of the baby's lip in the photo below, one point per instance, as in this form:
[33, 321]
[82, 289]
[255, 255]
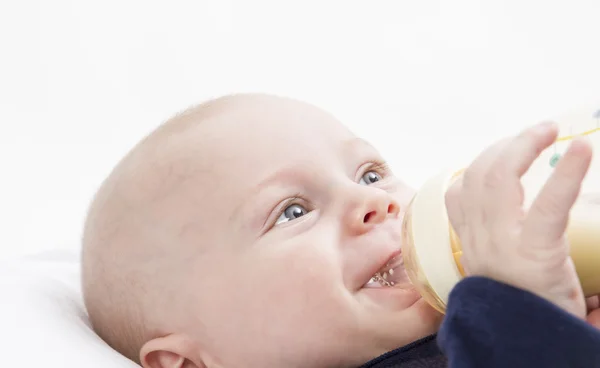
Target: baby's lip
[384, 245]
[389, 261]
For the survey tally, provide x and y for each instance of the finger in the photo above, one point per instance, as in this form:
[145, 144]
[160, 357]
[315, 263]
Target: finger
[502, 182]
[472, 180]
[549, 213]
[473, 175]
[468, 205]
[520, 153]
[592, 303]
[508, 159]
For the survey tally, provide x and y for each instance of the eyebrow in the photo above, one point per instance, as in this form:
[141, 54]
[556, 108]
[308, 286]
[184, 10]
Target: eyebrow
[289, 177]
[286, 177]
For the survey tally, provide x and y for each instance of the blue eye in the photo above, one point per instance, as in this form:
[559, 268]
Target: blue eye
[291, 213]
[370, 177]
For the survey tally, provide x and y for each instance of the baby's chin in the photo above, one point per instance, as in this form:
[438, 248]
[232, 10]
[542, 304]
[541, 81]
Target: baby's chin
[403, 307]
[405, 326]
[392, 298]
[391, 330]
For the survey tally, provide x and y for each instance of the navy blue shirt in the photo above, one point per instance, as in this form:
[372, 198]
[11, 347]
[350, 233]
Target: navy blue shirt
[490, 324]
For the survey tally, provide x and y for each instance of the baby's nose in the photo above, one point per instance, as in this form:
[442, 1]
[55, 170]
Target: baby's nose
[378, 215]
[374, 208]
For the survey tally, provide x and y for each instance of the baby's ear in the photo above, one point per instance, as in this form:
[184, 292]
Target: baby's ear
[172, 351]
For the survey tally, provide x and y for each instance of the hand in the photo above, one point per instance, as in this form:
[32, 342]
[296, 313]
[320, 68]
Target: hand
[525, 248]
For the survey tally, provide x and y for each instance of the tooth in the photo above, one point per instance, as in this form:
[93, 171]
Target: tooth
[391, 271]
[385, 275]
[374, 283]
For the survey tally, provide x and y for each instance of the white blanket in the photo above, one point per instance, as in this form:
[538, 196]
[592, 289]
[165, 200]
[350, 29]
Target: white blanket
[43, 320]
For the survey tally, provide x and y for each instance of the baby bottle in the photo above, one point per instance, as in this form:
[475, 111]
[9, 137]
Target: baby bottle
[431, 249]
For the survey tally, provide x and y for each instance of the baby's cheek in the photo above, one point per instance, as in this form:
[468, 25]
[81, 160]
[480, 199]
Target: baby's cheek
[301, 295]
[289, 299]
[301, 278]
[298, 281]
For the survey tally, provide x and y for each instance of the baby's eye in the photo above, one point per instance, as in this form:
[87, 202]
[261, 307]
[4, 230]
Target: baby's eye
[291, 213]
[370, 177]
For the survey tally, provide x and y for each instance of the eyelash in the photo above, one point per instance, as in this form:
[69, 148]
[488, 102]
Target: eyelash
[379, 167]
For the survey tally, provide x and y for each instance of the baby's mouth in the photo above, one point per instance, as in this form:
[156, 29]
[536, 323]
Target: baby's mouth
[392, 274]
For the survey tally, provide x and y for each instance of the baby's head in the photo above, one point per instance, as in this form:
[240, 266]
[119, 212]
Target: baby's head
[242, 233]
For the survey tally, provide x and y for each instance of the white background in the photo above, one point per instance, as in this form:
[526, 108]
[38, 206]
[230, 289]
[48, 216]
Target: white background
[82, 81]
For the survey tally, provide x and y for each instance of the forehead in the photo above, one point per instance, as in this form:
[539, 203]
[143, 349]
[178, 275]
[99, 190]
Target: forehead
[261, 135]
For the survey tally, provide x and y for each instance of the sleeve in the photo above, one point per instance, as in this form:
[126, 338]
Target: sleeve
[490, 324]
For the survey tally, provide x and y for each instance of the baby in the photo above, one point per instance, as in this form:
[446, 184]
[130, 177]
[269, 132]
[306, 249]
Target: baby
[245, 232]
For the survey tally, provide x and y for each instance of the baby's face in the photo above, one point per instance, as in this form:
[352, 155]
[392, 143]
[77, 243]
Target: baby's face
[296, 216]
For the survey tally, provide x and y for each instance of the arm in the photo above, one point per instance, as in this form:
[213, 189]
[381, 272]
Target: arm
[491, 324]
